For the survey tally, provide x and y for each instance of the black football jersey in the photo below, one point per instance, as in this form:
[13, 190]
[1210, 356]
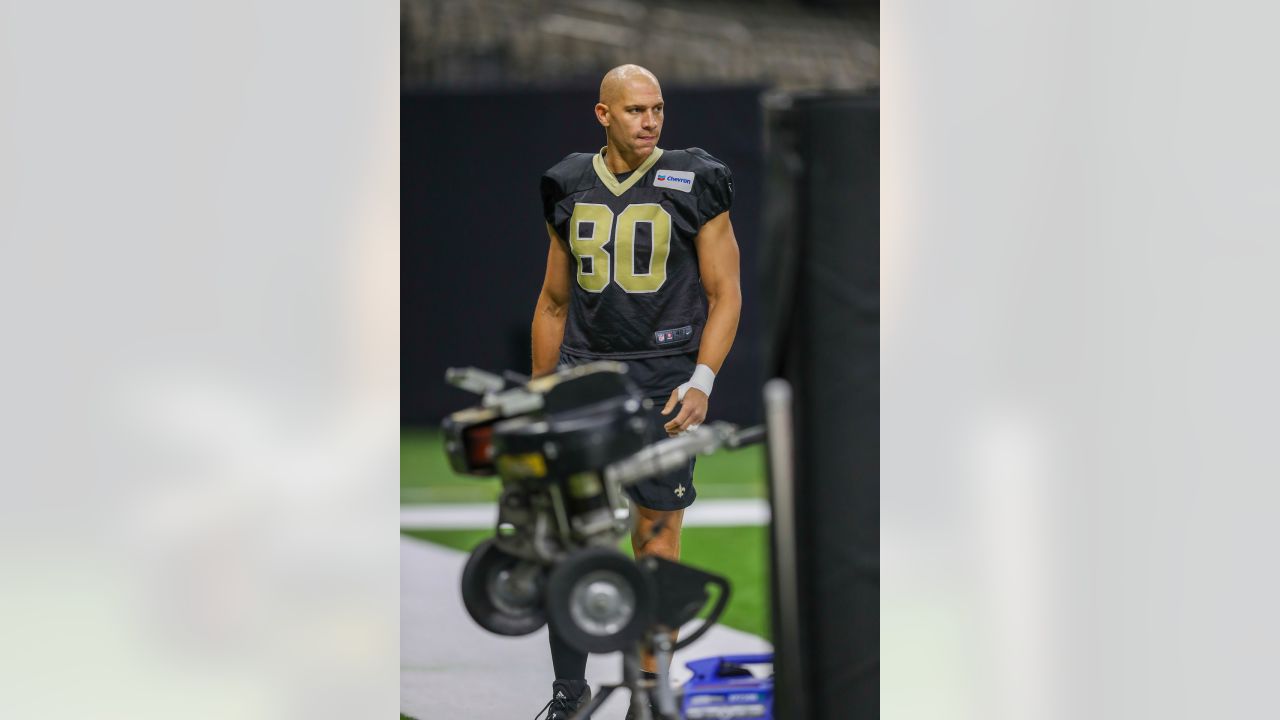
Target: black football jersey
[636, 290]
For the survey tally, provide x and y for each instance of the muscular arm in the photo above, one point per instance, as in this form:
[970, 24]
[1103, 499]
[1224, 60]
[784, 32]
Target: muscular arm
[718, 266]
[552, 309]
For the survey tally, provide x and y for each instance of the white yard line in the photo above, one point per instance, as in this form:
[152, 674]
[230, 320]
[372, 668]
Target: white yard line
[703, 513]
[451, 668]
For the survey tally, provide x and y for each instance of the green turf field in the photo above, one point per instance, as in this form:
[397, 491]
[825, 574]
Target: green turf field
[739, 553]
[425, 475]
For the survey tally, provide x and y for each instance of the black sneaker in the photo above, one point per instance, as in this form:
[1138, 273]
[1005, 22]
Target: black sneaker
[566, 697]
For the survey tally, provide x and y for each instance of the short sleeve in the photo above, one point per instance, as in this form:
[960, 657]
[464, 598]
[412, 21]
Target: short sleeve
[551, 196]
[716, 196]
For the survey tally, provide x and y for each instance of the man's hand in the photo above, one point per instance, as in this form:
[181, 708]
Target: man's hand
[693, 410]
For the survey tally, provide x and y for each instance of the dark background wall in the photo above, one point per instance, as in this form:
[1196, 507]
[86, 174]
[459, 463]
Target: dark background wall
[473, 243]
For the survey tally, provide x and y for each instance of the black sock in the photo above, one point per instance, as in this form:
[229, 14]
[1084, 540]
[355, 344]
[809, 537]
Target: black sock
[645, 674]
[569, 662]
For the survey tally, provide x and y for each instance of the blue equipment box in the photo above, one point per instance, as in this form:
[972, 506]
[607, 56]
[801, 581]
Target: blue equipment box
[722, 687]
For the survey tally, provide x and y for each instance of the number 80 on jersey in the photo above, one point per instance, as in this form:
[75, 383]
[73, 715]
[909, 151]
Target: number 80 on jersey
[589, 231]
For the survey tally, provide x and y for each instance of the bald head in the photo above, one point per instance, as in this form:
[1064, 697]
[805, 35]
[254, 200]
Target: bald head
[630, 109]
[617, 80]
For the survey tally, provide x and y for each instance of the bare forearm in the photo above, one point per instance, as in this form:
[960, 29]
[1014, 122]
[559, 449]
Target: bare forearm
[724, 309]
[548, 331]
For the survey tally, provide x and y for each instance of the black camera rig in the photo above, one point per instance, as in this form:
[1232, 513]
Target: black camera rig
[565, 446]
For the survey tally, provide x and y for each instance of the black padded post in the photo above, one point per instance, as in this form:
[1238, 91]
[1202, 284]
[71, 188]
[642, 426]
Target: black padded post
[820, 261]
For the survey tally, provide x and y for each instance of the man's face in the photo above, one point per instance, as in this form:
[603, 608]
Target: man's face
[635, 117]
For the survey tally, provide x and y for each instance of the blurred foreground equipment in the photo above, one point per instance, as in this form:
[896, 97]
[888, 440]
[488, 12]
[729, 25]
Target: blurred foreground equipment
[565, 447]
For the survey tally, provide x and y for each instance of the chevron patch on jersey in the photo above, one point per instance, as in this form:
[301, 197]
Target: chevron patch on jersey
[681, 180]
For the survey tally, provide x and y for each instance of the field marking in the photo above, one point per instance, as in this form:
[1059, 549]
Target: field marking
[703, 513]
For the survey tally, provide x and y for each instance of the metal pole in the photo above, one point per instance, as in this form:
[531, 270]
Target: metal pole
[789, 664]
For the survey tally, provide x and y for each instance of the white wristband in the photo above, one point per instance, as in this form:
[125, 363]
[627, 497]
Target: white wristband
[703, 378]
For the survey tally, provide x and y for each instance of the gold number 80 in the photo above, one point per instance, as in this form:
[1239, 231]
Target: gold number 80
[589, 231]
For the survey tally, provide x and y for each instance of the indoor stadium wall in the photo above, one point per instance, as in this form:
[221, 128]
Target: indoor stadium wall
[470, 209]
[785, 44]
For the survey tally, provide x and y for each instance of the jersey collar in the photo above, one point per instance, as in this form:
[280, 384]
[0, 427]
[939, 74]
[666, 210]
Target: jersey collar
[610, 181]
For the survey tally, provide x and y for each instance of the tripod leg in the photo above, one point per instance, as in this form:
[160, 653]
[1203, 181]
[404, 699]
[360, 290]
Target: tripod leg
[662, 650]
[631, 675]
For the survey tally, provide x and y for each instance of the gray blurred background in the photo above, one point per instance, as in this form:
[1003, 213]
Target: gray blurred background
[789, 44]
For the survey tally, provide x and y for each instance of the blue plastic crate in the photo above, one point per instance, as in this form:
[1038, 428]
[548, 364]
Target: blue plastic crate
[721, 687]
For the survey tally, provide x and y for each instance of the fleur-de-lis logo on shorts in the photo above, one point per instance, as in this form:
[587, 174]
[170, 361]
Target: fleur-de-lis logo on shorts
[679, 491]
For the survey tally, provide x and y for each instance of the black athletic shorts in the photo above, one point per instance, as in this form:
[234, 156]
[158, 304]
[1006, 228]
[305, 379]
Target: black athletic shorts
[657, 377]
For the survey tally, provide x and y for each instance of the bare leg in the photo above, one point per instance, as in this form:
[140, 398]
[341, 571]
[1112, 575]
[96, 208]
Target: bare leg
[666, 545]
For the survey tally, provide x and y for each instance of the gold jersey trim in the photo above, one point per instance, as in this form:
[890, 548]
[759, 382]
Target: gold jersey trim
[611, 181]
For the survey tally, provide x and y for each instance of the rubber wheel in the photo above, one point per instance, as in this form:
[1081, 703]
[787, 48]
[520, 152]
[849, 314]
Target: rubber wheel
[497, 597]
[599, 601]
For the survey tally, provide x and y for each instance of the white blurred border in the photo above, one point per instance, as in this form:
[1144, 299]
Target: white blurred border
[200, 216]
[1079, 351]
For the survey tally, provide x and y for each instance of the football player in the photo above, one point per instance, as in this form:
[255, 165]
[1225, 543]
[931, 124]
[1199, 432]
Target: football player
[642, 268]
